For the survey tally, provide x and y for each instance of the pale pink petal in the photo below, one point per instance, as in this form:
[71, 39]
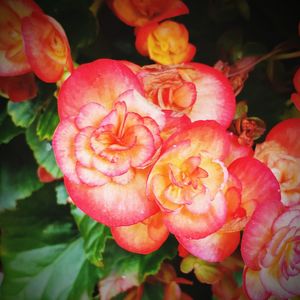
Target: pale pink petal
[272, 284]
[213, 248]
[258, 232]
[114, 204]
[253, 286]
[135, 102]
[100, 81]
[138, 238]
[215, 97]
[183, 223]
[287, 133]
[259, 185]
[83, 150]
[206, 136]
[91, 177]
[90, 115]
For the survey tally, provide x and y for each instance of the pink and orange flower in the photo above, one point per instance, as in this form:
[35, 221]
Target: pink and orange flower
[270, 250]
[166, 43]
[281, 153]
[106, 142]
[207, 198]
[138, 13]
[196, 90]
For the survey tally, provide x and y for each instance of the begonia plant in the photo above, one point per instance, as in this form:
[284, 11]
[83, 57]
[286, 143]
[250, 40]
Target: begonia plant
[149, 150]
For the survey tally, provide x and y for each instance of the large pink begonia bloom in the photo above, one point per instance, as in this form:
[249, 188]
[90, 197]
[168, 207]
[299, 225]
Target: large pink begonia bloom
[108, 137]
[281, 153]
[206, 199]
[271, 252]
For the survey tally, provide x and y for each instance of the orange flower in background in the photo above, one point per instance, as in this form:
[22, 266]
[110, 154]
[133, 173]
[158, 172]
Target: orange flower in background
[13, 60]
[271, 252]
[32, 41]
[166, 43]
[139, 13]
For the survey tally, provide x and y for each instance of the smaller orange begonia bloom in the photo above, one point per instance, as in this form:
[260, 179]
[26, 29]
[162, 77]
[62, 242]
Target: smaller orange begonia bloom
[139, 13]
[166, 43]
[32, 41]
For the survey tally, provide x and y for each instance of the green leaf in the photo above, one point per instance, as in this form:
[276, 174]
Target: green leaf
[18, 175]
[42, 256]
[153, 291]
[8, 130]
[95, 236]
[48, 120]
[23, 113]
[42, 151]
[61, 194]
[123, 270]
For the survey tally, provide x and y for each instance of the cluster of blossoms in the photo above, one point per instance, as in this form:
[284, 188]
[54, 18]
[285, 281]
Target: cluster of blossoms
[31, 42]
[146, 150]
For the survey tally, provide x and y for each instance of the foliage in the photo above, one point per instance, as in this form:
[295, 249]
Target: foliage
[50, 248]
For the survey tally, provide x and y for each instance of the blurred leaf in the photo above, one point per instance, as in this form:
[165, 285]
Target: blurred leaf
[94, 234]
[243, 8]
[61, 194]
[18, 177]
[23, 113]
[48, 120]
[42, 258]
[230, 44]
[153, 291]
[8, 130]
[123, 270]
[42, 151]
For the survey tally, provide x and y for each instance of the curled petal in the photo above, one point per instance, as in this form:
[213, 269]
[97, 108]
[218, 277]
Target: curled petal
[213, 248]
[195, 226]
[143, 237]
[64, 148]
[135, 102]
[90, 115]
[91, 177]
